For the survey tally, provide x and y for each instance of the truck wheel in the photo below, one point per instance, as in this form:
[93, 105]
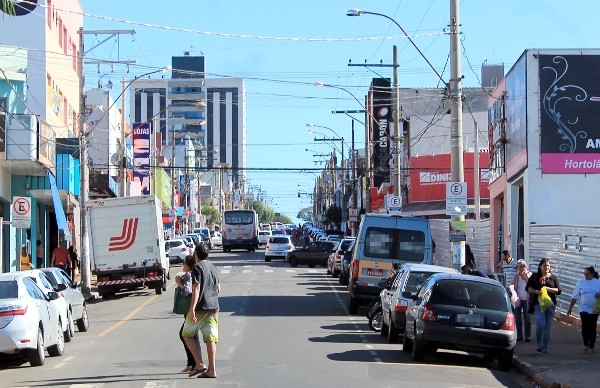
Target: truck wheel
[158, 290]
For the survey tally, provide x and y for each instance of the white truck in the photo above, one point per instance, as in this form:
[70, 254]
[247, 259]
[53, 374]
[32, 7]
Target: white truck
[127, 246]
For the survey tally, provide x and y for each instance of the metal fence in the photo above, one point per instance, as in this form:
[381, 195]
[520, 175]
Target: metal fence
[478, 238]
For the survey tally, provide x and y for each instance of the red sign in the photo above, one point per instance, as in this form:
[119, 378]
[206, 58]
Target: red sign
[429, 175]
[378, 200]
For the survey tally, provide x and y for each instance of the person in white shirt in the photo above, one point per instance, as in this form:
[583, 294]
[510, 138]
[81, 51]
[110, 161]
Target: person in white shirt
[587, 290]
[519, 282]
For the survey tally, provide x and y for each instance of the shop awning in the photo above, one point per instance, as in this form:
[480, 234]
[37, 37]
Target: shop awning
[61, 219]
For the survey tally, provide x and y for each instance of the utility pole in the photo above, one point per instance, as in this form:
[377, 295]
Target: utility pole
[86, 287]
[456, 125]
[395, 179]
[476, 174]
[123, 169]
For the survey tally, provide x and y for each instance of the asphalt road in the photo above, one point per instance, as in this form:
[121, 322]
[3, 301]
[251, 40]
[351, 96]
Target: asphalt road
[279, 327]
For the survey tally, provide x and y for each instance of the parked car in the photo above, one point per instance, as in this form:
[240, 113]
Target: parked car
[217, 238]
[196, 238]
[76, 301]
[278, 232]
[264, 236]
[334, 263]
[334, 237]
[278, 247]
[394, 305]
[344, 277]
[29, 321]
[177, 250]
[60, 303]
[461, 312]
[315, 253]
[189, 241]
[205, 233]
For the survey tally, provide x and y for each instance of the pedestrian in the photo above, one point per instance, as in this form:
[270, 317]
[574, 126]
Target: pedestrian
[204, 313]
[587, 291]
[185, 284]
[74, 261]
[306, 235]
[467, 270]
[469, 257]
[519, 282]
[507, 265]
[543, 319]
[25, 259]
[60, 257]
[39, 253]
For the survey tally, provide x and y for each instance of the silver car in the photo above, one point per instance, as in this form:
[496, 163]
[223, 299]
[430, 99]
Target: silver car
[278, 246]
[63, 284]
[29, 322]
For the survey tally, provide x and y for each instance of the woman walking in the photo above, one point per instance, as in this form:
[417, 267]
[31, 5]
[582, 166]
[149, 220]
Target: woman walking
[185, 283]
[543, 319]
[587, 290]
[519, 282]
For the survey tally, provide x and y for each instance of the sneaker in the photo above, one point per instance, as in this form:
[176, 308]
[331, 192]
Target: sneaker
[592, 350]
[544, 350]
[539, 350]
[586, 349]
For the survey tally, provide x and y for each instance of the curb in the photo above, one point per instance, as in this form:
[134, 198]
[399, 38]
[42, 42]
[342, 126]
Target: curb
[536, 375]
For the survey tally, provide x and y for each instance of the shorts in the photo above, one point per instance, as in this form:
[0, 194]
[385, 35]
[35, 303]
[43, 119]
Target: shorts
[207, 322]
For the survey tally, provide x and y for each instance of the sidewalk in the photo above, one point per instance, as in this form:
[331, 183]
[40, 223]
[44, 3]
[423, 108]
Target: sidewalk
[565, 364]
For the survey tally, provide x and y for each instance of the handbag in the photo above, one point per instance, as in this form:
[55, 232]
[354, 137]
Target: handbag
[544, 300]
[596, 307]
[514, 297]
[181, 302]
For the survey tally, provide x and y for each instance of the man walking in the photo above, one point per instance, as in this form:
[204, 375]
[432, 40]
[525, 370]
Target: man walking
[204, 313]
[508, 266]
[61, 257]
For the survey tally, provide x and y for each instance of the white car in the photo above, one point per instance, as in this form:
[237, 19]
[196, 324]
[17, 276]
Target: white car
[278, 246]
[177, 250]
[263, 237]
[61, 304]
[29, 321]
[217, 238]
[64, 285]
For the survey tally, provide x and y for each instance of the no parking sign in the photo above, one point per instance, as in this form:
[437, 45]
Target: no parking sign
[20, 212]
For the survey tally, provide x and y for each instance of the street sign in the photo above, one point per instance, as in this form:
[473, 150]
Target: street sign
[20, 217]
[172, 214]
[186, 213]
[457, 231]
[393, 204]
[353, 213]
[456, 198]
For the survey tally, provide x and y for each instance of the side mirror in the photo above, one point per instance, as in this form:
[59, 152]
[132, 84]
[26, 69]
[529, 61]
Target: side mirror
[53, 295]
[61, 287]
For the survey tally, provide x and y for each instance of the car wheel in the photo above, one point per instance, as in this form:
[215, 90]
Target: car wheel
[418, 349]
[352, 305]
[346, 280]
[293, 261]
[328, 271]
[376, 321]
[37, 356]
[505, 360]
[406, 344]
[267, 259]
[335, 274]
[392, 332]
[70, 327]
[83, 324]
[340, 279]
[58, 348]
[384, 328]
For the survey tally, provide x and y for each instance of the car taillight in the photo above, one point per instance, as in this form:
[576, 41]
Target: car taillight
[15, 309]
[184, 249]
[509, 323]
[400, 306]
[355, 269]
[152, 273]
[428, 314]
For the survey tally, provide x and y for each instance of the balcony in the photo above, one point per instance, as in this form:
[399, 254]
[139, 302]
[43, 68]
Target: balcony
[28, 146]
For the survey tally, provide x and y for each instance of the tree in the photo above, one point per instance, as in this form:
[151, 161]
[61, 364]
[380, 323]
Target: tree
[333, 215]
[212, 214]
[306, 214]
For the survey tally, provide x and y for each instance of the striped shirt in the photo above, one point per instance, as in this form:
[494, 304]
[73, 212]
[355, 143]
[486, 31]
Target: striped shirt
[509, 269]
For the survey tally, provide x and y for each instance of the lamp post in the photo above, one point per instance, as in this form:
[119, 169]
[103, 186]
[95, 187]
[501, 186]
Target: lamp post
[454, 87]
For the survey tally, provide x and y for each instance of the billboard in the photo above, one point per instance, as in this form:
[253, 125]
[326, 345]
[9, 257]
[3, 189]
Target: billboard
[569, 114]
[430, 173]
[516, 118]
[141, 155]
[380, 116]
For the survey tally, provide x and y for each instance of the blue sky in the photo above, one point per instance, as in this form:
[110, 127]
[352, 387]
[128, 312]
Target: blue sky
[282, 48]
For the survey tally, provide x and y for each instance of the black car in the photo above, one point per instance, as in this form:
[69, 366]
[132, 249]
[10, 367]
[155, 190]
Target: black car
[315, 253]
[461, 312]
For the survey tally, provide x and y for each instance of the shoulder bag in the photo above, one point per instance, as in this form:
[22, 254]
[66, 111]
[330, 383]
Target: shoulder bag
[181, 302]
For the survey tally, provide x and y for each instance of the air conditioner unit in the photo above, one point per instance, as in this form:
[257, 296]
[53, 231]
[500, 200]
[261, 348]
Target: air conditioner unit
[22, 137]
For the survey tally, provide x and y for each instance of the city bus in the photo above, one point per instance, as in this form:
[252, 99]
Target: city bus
[239, 229]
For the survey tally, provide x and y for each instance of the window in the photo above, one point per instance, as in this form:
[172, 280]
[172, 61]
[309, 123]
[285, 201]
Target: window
[33, 290]
[8, 290]
[74, 56]
[60, 32]
[415, 280]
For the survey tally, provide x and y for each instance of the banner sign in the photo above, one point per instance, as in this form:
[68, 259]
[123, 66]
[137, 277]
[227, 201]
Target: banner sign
[569, 114]
[380, 106]
[141, 155]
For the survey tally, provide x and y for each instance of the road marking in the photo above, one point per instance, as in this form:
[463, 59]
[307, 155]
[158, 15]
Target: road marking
[246, 271]
[268, 270]
[159, 384]
[226, 266]
[369, 346]
[290, 270]
[235, 333]
[128, 316]
[225, 271]
[247, 266]
[62, 363]
[377, 359]
[231, 349]
[313, 271]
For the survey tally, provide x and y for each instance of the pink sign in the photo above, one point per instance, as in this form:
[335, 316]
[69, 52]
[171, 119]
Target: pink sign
[568, 163]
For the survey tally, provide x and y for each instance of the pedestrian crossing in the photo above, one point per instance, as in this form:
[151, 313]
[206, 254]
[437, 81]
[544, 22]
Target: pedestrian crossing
[245, 270]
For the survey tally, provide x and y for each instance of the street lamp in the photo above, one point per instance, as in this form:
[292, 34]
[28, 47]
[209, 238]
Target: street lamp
[454, 86]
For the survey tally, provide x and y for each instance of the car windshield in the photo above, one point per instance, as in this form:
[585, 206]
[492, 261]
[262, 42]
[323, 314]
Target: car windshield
[264, 233]
[172, 243]
[8, 290]
[469, 294]
[279, 240]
